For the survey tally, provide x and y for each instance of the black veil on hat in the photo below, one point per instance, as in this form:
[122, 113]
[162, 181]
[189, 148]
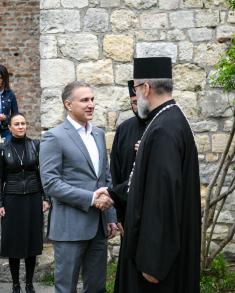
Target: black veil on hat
[130, 87]
[152, 68]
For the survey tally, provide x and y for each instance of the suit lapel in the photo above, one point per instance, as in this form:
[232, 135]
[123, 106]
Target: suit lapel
[76, 138]
[100, 145]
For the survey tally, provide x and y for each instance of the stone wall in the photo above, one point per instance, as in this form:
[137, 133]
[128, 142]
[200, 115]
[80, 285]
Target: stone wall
[19, 52]
[95, 41]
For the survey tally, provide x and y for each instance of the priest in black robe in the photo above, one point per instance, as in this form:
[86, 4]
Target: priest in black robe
[123, 154]
[161, 246]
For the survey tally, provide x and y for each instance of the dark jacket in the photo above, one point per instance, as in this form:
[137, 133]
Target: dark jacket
[16, 178]
[9, 106]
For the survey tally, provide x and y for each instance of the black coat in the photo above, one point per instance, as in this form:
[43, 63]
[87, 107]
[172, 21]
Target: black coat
[163, 220]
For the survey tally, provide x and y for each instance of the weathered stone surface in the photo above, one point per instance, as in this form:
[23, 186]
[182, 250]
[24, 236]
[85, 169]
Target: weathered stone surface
[191, 3]
[219, 141]
[99, 117]
[119, 47]
[204, 126]
[210, 157]
[56, 72]
[225, 31]
[215, 3]
[144, 49]
[188, 77]
[182, 19]
[207, 171]
[52, 109]
[209, 18]
[231, 16]
[185, 51]
[94, 3]
[220, 232]
[123, 73]
[119, 100]
[229, 251]
[175, 35]
[112, 119]
[140, 4]
[226, 217]
[151, 20]
[188, 103]
[228, 125]
[48, 47]
[168, 5]
[79, 46]
[96, 19]
[215, 104]
[148, 36]
[208, 54]
[109, 136]
[203, 142]
[109, 3]
[74, 3]
[48, 4]
[99, 72]
[200, 34]
[60, 21]
[223, 16]
[123, 20]
[124, 116]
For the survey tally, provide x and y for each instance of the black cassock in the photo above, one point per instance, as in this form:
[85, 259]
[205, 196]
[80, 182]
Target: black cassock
[163, 219]
[122, 159]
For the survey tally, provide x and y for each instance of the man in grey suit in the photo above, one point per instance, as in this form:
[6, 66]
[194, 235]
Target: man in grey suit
[75, 174]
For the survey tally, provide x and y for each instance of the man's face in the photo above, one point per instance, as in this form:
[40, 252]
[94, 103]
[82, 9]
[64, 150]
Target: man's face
[133, 101]
[142, 103]
[81, 107]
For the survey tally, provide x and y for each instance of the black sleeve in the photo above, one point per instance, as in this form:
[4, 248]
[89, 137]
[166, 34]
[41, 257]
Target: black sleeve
[1, 175]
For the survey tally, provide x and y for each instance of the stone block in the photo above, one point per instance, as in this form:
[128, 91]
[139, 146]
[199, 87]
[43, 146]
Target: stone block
[144, 49]
[140, 4]
[168, 5]
[148, 36]
[56, 72]
[205, 126]
[211, 157]
[182, 19]
[49, 4]
[228, 125]
[96, 20]
[119, 47]
[99, 117]
[209, 18]
[175, 35]
[74, 3]
[48, 47]
[123, 20]
[124, 116]
[52, 109]
[99, 72]
[226, 217]
[188, 103]
[185, 51]
[203, 142]
[79, 46]
[207, 170]
[231, 16]
[191, 3]
[151, 20]
[123, 73]
[220, 232]
[111, 119]
[109, 3]
[225, 32]
[188, 77]
[200, 34]
[59, 21]
[215, 4]
[208, 54]
[219, 141]
[109, 136]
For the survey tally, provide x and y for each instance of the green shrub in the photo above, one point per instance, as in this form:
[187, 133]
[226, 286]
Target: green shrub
[231, 4]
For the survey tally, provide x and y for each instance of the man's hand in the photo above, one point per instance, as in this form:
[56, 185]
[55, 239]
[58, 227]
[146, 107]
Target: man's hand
[101, 199]
[137, 145]
[2, 212]
[112, 230]
[45, 206]
[150, 278]
[2, 117]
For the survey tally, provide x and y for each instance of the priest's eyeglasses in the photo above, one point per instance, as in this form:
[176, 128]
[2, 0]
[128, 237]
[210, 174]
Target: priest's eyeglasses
[135, 86]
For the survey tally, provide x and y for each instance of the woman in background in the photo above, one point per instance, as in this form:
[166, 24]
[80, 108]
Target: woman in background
[22, 202]
[8, 103]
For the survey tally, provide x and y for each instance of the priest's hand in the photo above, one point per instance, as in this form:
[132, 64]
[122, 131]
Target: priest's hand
[112, 230]
[137, 145]
[101, 199]
[2, 212]
[150, 278]
[120, 229]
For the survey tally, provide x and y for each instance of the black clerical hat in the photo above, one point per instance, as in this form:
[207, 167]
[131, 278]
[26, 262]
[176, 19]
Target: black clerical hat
[130, 87]
[152, 67]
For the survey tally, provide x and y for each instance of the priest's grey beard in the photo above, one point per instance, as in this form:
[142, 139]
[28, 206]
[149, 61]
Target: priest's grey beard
[143, 107]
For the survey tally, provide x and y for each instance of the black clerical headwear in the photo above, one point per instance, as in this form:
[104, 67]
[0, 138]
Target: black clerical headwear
[152, 68]
[130, 87]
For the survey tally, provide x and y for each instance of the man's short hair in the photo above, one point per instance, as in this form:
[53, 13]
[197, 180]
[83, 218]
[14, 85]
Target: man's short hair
[67, 93]
[160, 85]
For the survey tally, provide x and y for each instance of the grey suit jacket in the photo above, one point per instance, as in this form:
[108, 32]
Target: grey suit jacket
[69, 178]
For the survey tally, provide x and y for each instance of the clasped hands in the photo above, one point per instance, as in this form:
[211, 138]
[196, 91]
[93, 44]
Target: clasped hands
[2, 117]
[101, 199]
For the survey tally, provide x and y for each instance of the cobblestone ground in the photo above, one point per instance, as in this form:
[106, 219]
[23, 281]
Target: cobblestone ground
[39, 288]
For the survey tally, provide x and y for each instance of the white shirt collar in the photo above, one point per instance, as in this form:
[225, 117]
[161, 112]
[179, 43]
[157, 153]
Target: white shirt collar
[78, 126]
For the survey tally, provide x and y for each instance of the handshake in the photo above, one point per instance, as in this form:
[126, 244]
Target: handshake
[101, 199]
